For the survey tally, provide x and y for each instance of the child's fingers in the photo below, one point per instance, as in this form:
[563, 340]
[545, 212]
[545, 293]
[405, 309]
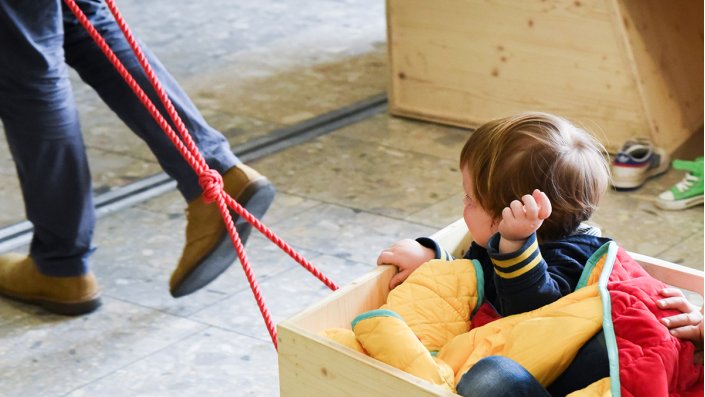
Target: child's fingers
[507, 214]
[386, 258]
[530, 207]
[676, 302]
[543, 203]
[399, 278]
[517, 208]
[668, 292]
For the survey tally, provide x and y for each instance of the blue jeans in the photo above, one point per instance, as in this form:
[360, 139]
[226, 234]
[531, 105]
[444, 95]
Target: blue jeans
[498, 376]
[38, 38]
[501, 376]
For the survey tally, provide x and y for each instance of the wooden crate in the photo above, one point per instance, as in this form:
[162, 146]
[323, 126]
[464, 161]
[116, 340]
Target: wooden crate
[620, 68]
[311, 365]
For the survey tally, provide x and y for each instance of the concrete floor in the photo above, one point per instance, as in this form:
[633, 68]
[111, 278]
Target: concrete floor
[252, 67]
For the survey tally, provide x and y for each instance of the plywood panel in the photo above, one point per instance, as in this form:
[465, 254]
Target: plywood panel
[312, 366]
[465, 62]
[665, 40]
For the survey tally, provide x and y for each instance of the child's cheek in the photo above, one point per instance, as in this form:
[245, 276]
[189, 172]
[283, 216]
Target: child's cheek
[467, 215]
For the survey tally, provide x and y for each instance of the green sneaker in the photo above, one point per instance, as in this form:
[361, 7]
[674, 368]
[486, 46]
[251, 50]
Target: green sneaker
[688, 192]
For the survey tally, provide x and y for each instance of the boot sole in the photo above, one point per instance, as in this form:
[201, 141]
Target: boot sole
[58, 307]
[256, 199]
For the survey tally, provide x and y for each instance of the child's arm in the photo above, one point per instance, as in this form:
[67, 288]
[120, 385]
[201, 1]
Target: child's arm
[523, 279]
[521, 219]
[406, 255]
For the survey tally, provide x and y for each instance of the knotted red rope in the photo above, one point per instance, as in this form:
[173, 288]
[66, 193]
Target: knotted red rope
[210, 180]
[212, 185]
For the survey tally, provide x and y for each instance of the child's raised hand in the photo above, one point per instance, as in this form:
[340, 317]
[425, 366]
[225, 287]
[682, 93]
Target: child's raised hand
[406, 255]
[522, 218]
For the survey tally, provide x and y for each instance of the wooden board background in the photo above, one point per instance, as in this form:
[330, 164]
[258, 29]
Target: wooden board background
[620, 69]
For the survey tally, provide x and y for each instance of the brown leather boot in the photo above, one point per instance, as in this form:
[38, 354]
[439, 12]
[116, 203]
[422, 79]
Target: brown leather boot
[20, 280]
[208, 250]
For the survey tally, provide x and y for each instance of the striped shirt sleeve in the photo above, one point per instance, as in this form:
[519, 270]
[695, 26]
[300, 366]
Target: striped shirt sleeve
[514, 264]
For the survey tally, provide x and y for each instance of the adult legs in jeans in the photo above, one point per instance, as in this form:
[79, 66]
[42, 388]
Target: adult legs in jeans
[498, 376]
[43, 131]
[41, 123]
[208, 250]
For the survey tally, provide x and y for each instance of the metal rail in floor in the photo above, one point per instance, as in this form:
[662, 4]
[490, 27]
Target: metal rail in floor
[144, 189]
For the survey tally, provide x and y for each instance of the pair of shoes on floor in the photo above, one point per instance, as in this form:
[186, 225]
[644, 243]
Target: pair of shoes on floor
[689, 191]
[637, 161]
[207, 253]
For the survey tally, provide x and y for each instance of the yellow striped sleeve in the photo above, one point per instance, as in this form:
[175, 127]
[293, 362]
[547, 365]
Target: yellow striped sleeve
[519, 258]
[522, 270]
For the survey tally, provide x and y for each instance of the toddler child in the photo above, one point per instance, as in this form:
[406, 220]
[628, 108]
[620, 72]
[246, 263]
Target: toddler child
[530, 181]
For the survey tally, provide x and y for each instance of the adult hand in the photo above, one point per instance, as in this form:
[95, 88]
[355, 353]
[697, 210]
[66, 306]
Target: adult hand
[406, 255]
[686, 325]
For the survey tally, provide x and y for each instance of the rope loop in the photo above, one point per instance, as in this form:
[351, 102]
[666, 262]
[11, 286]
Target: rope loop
[212, 184]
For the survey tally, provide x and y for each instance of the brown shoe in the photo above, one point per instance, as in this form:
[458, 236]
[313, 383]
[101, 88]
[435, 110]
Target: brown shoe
[208, 250]
[20, 280]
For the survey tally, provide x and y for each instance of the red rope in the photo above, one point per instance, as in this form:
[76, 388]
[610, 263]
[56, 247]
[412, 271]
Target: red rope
[210, 180]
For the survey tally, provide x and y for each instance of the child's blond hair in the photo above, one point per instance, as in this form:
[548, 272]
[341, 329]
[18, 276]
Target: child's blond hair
[510, 157]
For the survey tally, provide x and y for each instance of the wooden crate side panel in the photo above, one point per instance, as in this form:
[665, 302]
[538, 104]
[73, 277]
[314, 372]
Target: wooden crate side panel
[665, 40]
[672, 273]
[312, 366]
[339, 308]
[473, 61]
